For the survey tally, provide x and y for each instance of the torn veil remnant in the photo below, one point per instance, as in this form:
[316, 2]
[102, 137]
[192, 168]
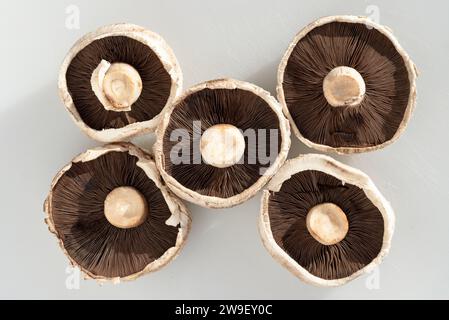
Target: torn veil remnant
[116, 81]
[222, 129]
[324, 221]
[346, 85]
[113, 216]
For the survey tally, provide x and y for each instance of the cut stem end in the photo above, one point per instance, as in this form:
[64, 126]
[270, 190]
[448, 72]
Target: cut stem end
[327, 223]
[344, 86]
[222, 145]
[125, 207]
[116, 85]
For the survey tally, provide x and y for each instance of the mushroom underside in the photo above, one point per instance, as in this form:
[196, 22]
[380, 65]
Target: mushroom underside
[155, 81]
[88, 237]
[210, 107]
[386, 86]
[288, 209]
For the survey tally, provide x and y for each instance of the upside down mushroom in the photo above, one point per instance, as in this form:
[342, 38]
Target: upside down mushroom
[113, 216]
[346, 85]
[220, 142]
[324, 221]
[116, 81]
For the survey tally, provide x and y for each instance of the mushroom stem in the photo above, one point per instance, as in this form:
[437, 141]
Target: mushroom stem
[222, 145]
[125, 207]
[117, 85]
[344, 86]
[327, 223]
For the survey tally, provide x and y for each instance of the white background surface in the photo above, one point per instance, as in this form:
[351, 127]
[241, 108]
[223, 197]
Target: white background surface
[224, 257]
